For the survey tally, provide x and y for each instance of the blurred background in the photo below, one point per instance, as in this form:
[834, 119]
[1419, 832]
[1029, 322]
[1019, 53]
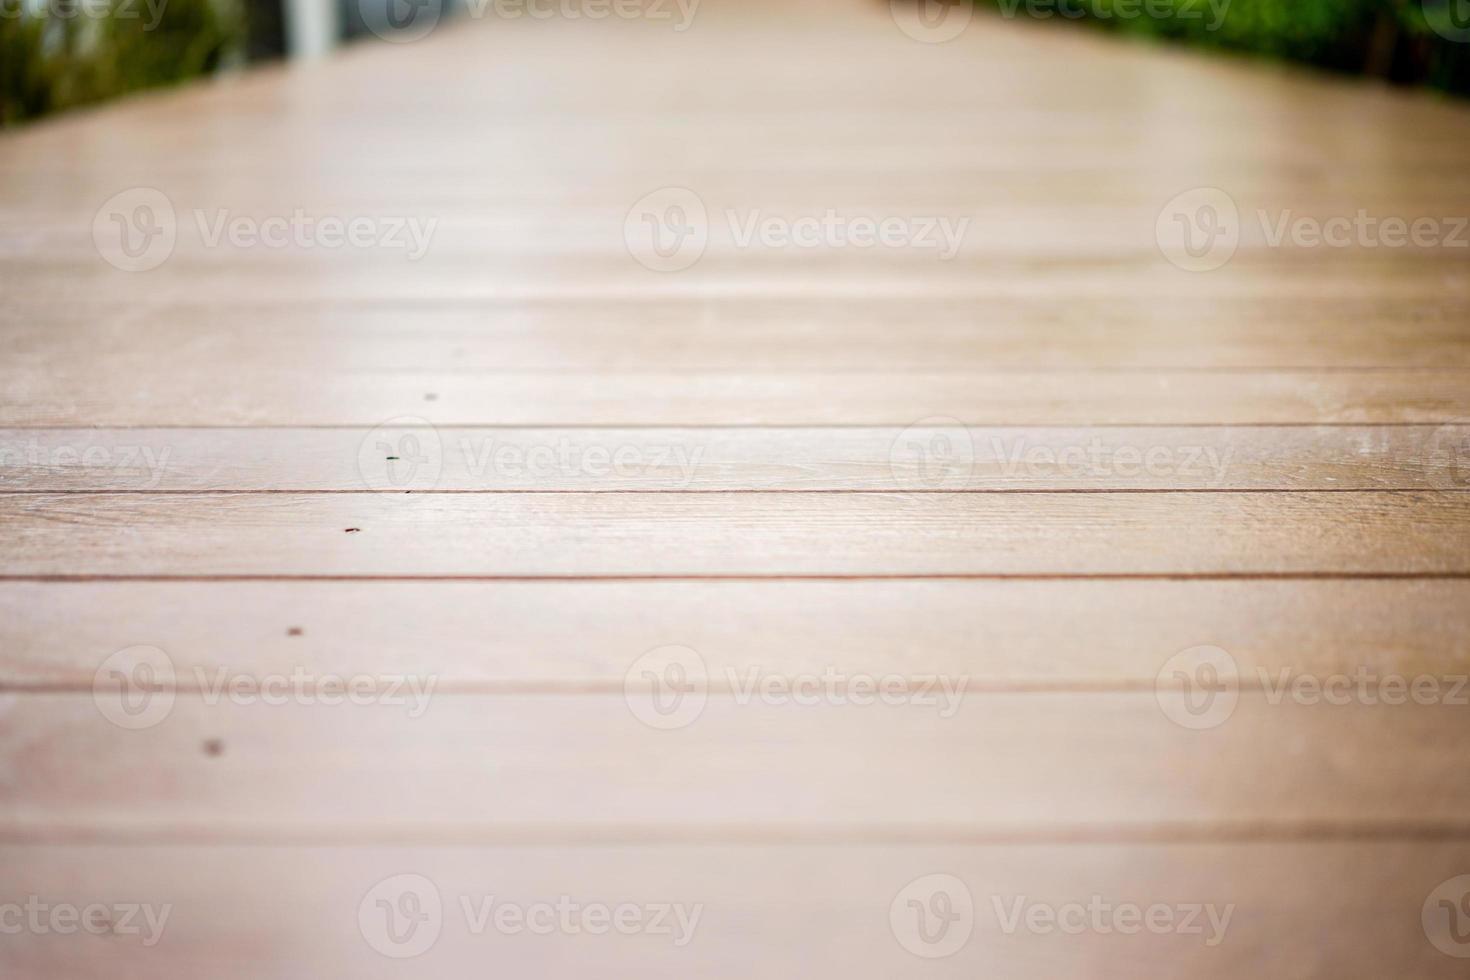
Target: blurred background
[56, 54]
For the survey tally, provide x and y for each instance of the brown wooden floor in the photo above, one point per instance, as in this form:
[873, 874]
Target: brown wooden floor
[1113, 503]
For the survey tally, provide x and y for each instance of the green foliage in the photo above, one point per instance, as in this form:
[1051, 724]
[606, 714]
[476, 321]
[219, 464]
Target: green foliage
[74, 52]
[1412, 41]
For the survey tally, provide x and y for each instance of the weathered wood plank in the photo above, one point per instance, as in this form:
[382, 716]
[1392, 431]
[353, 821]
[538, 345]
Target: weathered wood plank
[548, 636]
[404, 762]
[738, 534]
[262, 912]
[939, 454]
[1011, 398]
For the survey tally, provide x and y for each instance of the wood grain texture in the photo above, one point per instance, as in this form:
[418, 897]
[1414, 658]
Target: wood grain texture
[417, 765]
[584, 636]
[308, 397]
[779, 911]
[937, 454]
[636, 534]
[183, 451]
[754, 333]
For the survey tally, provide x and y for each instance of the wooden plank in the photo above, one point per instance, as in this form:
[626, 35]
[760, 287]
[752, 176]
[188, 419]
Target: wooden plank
[637, 534]
[936, 455]
[262, 912]
[1429, 331]
[400, 762]
[610, 273]
[584, 636]
[1021, 398]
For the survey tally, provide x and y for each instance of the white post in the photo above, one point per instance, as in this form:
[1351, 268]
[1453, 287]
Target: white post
[312, 27]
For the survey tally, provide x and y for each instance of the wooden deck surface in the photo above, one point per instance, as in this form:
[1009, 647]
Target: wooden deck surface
[870, 611]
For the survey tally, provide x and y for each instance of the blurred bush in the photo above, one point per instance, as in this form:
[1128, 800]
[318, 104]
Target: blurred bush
[60, 53]
[1410, 41]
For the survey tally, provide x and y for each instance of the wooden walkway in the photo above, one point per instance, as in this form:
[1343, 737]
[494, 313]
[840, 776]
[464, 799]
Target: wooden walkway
[702, 546]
